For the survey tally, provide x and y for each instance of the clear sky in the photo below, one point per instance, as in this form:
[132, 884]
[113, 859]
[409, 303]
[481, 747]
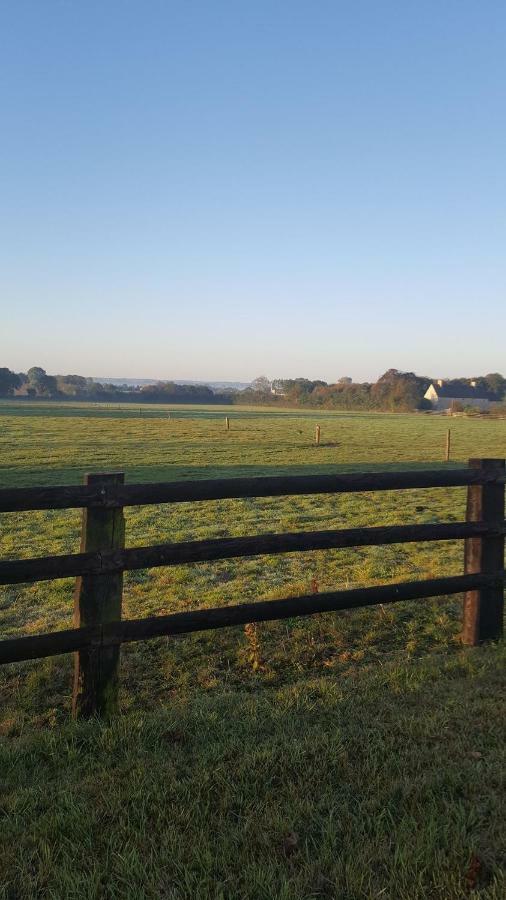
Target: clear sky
[224, 189]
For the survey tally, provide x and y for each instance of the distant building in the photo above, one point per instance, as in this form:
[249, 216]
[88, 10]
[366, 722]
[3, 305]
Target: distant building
[443, 396]
[277, 388]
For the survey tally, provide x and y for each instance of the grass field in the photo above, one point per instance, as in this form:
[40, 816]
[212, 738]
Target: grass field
[252, 697]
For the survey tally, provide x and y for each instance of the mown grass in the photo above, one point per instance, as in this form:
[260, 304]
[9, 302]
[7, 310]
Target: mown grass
[234, 739]
[382, 784]
[44, 444]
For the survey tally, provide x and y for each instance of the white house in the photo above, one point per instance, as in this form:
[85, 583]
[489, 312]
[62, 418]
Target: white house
[443, 396]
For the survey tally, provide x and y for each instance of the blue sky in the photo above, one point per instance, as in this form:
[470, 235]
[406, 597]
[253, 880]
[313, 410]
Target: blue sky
[223, 189]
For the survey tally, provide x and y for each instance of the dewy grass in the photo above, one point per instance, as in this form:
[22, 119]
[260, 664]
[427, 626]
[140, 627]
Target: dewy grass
[355, 732]
[387, 783]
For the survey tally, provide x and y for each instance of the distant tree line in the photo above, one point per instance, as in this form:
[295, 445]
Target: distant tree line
[37, 384]
[169, 392]
[394, 391]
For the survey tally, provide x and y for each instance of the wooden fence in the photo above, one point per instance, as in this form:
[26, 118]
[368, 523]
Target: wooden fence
[99, 566]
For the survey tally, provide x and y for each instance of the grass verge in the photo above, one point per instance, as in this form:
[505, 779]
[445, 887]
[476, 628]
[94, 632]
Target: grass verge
[386, 783]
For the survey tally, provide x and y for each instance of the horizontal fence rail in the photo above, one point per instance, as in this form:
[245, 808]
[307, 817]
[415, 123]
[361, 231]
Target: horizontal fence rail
[47, 568]
[120, 632]
[111, 495]
[103, 559]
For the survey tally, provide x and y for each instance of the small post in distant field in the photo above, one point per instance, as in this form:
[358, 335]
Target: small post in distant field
[97, 600]
[317, 435]
[484, 608]
[448, 445]
[227, 423]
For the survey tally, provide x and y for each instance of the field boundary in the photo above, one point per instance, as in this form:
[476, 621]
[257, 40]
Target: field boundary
[99, 566]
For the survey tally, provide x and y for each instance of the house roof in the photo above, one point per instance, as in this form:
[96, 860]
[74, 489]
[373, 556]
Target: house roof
[461, 392]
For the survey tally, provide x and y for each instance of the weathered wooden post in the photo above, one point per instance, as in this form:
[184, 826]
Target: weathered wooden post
[484, 608]
[97, 600]
[227, 423]
[448, 445]
[317, 435]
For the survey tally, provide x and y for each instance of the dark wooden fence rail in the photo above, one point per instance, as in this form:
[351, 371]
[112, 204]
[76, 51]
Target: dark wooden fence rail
[99, 566]
[107, 493]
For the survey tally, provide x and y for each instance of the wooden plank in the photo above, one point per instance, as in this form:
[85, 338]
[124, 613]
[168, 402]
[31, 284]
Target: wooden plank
[309, 604]
[97, 563]
[116, 495]
[97, 600]
[47, 568]
[52, 644]
[70, 496]
[115, 633]
[484, 609]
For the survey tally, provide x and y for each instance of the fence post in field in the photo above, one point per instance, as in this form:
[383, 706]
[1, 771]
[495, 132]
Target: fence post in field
[97, 600]
[448, 445]
[227, 423]
[317, 434]
[484, 608]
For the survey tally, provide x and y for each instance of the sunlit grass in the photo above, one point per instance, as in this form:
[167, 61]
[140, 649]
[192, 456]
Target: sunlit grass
[349, 755]
[54, 444]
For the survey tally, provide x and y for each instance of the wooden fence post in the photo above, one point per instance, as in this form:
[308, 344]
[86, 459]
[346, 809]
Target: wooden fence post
[227, 423]
[448, 445]
[484, 609]
[97, 600]
[317, 434]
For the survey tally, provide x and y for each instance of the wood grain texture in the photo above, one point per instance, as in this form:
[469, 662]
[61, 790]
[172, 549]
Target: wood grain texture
[97, 600]
[100, 562]
[483, 612]
[109, 495]
[115, 633]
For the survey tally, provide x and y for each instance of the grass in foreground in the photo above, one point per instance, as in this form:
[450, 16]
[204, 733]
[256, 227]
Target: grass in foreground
[304, 759]
[385, 784]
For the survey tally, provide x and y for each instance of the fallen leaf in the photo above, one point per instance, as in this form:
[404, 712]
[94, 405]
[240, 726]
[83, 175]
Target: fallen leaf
[473, 872]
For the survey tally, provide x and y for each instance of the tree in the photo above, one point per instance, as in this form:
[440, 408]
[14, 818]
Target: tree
[72, 385]
[36, 376]
[261, 384]
[44, 385]
[8, 382]
[389, 375]
[299, 389]
[496, 383]
[399, 390]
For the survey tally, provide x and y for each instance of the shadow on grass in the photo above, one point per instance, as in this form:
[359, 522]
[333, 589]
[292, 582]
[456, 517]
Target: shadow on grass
[42, 475]
[366, 787]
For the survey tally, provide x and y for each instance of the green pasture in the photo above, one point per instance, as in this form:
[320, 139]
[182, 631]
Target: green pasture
[370, 735]
[46, 443]
[59, 443]
[385, 784]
